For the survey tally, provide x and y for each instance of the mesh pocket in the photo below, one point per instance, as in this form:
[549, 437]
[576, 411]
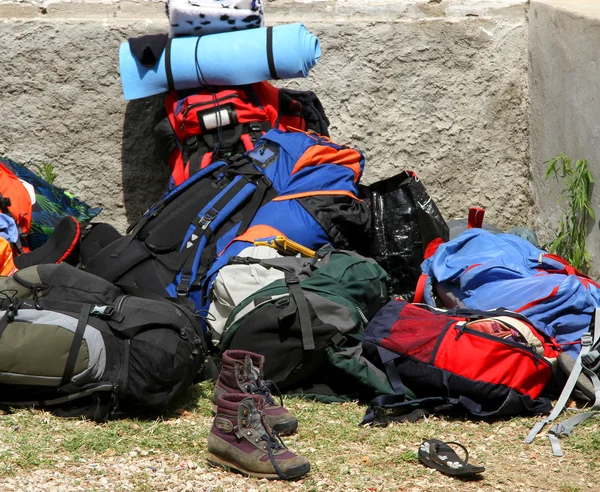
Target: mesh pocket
[416, 333]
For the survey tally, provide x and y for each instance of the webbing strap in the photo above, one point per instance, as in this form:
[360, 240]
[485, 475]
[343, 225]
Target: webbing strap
[133, 230]
[586, 343]
[203, 229]
[565, 428]
[270, 57]
[293, 284]
[76, 344]
[262, 186]
[168, 70]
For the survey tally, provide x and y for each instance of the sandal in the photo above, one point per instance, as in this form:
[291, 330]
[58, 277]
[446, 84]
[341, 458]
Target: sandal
[439, 455]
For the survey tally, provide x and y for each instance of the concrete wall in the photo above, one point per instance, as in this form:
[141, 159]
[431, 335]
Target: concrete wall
[564, 64]
[439, 87]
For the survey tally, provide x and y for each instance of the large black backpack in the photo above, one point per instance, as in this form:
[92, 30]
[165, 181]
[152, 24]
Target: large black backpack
[76, 344]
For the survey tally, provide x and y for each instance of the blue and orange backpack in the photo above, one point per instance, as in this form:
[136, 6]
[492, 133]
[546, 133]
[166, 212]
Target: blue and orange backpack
[293, 184]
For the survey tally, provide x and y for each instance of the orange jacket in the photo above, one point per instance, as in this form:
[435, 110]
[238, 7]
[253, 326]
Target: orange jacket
[7, 265]
[20, 208]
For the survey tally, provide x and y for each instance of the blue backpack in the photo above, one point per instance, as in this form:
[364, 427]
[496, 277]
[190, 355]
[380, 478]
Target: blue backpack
[293, 184]
[480, 270]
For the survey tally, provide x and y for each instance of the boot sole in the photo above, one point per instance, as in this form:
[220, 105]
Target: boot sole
[215, 460]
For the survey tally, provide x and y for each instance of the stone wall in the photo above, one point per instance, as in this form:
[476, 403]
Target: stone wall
[437, 87]
[564, 67]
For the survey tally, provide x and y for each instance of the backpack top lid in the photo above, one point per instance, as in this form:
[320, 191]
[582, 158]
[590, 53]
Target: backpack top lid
[307, 163]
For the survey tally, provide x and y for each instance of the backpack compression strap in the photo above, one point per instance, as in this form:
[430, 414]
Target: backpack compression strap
[296, 293]
[204, 231]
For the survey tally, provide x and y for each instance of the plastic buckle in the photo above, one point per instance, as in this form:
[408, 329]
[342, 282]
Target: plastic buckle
[292, 280]
[262, 179]
[207, 218]
[338, 340]
[255, 131]
[102, 311]
[183, 289]
[586, 340]
[191, 143]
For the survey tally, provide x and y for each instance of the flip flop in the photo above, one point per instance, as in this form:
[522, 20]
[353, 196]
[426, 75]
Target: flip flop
[439, 455]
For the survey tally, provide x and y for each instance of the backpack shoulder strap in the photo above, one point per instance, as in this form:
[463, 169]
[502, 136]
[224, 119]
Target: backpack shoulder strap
[587, 341]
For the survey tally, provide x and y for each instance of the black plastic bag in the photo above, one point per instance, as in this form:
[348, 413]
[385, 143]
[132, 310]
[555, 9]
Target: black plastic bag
[404, 221]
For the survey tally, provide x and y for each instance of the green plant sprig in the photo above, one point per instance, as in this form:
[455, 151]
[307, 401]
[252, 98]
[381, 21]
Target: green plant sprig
[46, 172]
[570, 241]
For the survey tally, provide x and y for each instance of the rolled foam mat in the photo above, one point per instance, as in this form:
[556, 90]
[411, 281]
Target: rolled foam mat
[231, 58]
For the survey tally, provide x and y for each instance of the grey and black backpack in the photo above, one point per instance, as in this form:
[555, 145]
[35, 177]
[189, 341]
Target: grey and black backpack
[78, 345]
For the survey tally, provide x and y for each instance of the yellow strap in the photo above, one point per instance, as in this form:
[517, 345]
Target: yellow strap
[287, 246]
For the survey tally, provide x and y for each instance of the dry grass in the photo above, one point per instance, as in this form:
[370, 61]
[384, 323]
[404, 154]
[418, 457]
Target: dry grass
[42, 452]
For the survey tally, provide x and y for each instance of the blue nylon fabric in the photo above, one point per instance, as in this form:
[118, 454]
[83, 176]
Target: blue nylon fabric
[509, 274]
[286, 216]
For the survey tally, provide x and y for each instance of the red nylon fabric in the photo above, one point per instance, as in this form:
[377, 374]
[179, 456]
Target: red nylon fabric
[415, 333]
[183, 116]
[491, 361]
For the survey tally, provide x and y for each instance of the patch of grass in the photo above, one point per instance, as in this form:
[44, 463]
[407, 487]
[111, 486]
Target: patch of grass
[569, 488]
[343, 455]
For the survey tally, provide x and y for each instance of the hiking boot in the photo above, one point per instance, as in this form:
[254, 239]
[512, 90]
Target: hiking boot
[240, 439]
[242, 372]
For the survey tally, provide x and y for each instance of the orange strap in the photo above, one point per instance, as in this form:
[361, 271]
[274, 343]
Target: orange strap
[315, 193]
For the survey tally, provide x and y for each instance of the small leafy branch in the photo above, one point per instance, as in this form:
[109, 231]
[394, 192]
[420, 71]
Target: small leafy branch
[572, 228]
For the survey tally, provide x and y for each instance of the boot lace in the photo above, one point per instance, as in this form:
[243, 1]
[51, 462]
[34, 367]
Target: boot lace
[263, 388]
[274, 443]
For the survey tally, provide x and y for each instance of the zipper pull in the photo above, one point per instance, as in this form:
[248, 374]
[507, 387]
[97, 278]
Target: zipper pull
[263, 147]
[460, 329]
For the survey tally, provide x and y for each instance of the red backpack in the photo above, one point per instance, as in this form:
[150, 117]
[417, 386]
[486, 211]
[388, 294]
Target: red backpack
[489, 363]
[217, 123]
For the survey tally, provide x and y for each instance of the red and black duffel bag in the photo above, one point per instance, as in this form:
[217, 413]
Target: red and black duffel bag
[488, 363]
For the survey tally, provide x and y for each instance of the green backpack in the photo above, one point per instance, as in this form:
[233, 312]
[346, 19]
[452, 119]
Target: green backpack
[310, 325]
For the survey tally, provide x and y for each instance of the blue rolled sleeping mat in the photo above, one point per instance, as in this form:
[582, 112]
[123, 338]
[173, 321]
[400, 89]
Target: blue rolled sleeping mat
[229, 58]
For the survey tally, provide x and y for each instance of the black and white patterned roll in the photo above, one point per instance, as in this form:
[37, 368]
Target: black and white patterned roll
[200, 17]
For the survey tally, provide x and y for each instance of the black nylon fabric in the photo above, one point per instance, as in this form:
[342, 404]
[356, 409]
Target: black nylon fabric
[271, 330]
[405, 220]
[309, 107]
[346, 221]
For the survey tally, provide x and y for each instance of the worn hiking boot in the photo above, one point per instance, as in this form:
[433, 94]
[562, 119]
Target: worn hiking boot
[241, 439]
[242, 372]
